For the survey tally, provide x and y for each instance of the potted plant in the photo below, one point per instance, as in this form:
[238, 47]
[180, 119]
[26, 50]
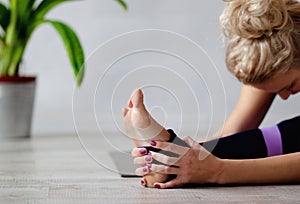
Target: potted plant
[18, 20]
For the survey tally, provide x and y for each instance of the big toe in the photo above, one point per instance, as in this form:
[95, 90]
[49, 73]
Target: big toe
[137, 99]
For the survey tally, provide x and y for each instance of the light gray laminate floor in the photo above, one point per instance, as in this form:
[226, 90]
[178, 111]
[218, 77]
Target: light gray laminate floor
[57, 169]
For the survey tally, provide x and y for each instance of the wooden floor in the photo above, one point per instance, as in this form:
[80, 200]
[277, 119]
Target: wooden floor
[58, 169]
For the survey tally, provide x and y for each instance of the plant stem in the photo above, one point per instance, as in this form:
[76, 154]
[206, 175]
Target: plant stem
[5, 60]
[10, 48]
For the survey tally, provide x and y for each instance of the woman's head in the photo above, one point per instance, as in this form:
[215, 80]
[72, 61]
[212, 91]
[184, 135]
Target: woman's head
[263, 38]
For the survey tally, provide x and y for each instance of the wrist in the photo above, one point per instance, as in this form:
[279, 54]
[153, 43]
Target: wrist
[221, 169]
[228, 171]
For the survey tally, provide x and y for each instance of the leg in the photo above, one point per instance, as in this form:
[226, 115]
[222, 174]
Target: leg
[257, 143]
[142, 129]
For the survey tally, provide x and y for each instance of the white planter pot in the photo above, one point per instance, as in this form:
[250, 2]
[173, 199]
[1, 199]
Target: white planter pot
[16, 107]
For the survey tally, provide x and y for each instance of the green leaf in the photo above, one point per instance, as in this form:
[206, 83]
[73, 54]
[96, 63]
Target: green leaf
[73, 48]
[122, 3]
[25, 8]
[4, 16]
[16, 59]
[44, 7]
[11, 31]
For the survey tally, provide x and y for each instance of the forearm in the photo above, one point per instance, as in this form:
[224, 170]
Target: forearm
[278, 169]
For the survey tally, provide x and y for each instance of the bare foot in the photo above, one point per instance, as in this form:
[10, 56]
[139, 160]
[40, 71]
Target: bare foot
[142, 129]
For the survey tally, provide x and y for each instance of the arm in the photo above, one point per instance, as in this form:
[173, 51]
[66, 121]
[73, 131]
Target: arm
[278, 169]
[250, 110]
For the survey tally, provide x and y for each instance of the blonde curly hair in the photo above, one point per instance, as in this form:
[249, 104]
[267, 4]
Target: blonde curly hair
[263, 38]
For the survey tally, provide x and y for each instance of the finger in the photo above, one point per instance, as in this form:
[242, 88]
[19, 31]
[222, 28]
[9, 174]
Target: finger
[137, 152]
[124, 111]
[164, 159]
[142, 171]
[142, 161]
[203, 153]
[167, 146]
[163, 169]
[190, 141]
[170, 184]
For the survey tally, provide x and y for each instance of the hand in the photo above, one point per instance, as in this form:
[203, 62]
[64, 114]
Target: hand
[194, 165]
[143, 158]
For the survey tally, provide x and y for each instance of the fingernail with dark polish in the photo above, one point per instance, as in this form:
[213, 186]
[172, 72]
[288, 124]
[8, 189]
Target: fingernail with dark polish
[142, 182]
[153, 143]
[149, 165]
[148, 158]
[157, 185]
[145, 169]
[143, 151]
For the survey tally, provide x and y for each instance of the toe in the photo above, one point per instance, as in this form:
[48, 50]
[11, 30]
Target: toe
[124, 111]
[137, 99]
[130, 103]
[143, 182]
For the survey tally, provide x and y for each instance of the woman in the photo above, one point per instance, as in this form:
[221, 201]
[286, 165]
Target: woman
[263, 52]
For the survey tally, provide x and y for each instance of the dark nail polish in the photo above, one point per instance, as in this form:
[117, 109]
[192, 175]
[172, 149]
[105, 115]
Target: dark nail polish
[142, 182]
[148, 158]
[143, 151]
[149, 165]
[153, 143]
[145, 169]
[157, 185]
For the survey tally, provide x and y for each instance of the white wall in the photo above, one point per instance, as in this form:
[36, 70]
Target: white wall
[97, 21]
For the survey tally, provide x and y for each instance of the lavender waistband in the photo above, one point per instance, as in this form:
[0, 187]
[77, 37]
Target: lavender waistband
[272, 137]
